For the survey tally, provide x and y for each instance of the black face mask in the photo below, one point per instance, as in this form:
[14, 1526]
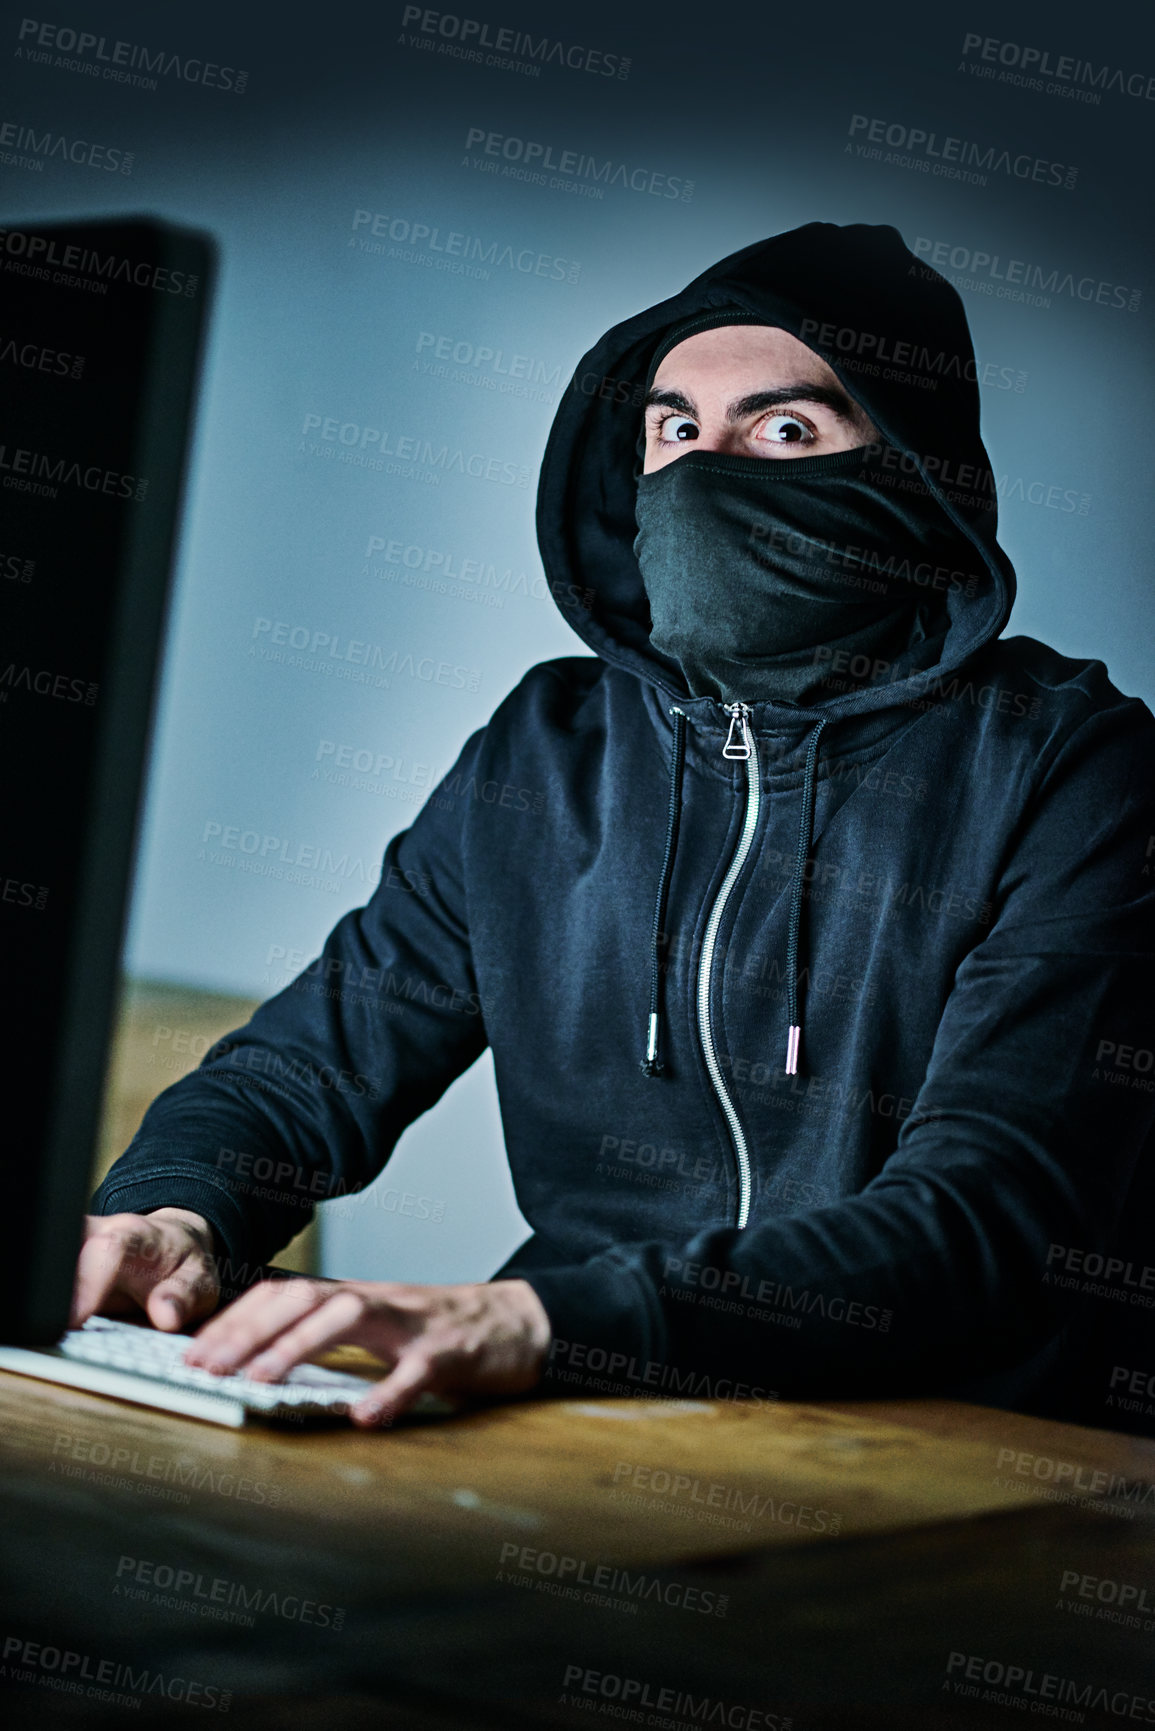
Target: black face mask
[793, 579]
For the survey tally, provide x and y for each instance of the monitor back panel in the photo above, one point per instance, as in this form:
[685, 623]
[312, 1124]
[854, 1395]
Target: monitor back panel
[101, 325]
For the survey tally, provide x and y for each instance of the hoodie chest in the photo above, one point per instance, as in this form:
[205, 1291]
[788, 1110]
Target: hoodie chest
[886, 897]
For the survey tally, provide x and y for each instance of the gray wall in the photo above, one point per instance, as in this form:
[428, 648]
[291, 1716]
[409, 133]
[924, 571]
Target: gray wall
[757, 119]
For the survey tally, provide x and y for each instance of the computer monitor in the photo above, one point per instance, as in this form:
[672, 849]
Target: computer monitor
[101, 331]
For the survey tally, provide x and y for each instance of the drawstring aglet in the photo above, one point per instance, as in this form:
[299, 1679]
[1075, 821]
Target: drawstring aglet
[651, 1066]
[792, 1045]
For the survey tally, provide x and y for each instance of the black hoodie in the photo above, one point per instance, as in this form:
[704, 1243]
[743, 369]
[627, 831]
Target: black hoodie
[943, 879]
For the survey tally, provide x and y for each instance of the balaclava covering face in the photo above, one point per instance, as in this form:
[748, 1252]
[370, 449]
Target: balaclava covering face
[760, 570]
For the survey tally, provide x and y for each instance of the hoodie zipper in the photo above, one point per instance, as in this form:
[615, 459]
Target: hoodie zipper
[743, 747]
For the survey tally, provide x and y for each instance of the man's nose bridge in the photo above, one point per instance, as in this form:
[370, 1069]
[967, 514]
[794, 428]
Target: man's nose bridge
[725, 438]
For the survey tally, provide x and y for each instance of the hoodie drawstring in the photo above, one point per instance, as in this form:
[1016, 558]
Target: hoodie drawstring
[794, 937]
[652, 1064]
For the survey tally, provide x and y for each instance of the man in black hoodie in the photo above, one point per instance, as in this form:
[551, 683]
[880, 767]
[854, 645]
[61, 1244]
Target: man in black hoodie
[807, 976]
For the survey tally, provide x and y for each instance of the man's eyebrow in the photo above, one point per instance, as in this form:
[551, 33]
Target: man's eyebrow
[806, 391]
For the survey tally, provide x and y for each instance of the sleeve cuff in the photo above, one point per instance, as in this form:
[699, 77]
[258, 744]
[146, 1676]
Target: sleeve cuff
[605, 1340]
[178, 1187]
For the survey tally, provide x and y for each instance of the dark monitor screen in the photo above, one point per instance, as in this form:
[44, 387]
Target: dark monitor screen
[101, 326]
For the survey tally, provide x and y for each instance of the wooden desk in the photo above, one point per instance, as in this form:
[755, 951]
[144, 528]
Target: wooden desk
[865, 1544]
[477, 1563]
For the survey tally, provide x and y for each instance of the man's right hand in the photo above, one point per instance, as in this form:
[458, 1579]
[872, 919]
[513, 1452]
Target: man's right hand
[161, 1263]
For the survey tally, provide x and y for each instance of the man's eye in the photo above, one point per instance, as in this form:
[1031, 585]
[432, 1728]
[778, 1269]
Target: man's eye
[677, 429]
[786, 430]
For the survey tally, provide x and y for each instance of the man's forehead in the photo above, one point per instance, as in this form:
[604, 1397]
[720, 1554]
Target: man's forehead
[734, 337]
[756, 367]
[732, 345]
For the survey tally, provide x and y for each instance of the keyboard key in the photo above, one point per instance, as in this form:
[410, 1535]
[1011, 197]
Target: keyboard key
[147, 1352]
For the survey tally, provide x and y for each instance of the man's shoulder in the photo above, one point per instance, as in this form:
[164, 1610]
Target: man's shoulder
[559, 718]
[1054, 686]
[561, 691]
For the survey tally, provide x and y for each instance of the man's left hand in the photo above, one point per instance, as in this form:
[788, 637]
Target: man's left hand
[484, 1339]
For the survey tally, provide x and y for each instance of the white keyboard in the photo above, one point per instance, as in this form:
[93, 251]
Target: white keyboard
[144, 1365]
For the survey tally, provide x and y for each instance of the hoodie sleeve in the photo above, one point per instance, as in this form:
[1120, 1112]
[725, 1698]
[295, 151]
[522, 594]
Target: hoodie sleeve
[1025, 1135]
[307, 1100]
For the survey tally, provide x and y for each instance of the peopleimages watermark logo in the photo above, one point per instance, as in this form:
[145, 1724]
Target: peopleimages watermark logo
[1140, 1387]
[1021, 1686]
[872, 351]
[460, 362]
[426, 244]
[1018, 279]
[503, 47]
[585, 1687]
[249, 850]
[772, 1300]
[637, 1485]
[578, 1361]
[97, 1679]
[529, 158]
[25, 147]
[167, 1478]
[1073, 1482]
[1094, 1275]
[218, 1596]
[38, 358]
[446, 571]
[949, 157]
[46, 682]
[1039, 69]
[1124, 1066]
[120, 62]
[354, 658]
[601, 1583]
[24, 895]
[368, 447]
[48, 258]
[16, 568]
[43, 473]
[1109, 1599]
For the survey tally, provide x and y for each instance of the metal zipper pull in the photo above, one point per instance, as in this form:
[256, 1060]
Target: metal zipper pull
[744, 748]
[740, 744]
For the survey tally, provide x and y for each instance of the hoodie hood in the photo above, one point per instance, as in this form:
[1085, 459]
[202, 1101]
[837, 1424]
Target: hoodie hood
[895, 334]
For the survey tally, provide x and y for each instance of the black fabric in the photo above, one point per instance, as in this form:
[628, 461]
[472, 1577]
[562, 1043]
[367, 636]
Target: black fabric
[762, 572]
[895, 335]
[971, 1134]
